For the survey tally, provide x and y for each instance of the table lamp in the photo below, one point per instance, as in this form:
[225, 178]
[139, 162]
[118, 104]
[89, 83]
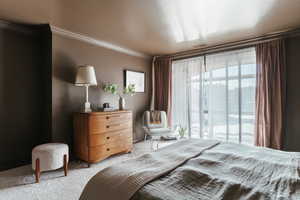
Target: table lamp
[86, 77]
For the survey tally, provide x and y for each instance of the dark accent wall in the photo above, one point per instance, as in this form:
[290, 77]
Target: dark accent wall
[25, 61]
[292, 130]
[109, 66]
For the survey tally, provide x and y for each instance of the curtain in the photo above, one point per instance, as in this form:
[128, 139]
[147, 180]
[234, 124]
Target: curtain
[152, 84]
[186, 94]
[213, 96]
[162, 85]
[270, 94]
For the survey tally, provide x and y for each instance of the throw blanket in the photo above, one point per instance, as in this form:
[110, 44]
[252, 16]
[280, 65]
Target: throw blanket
[120, 182]
[155, 117]
[230, 172]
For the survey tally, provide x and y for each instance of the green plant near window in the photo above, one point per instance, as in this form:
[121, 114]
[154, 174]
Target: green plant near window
[182, 131]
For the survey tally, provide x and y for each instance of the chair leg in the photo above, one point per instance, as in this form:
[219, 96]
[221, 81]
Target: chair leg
[66, 164]
[37, 170]
[145, 137]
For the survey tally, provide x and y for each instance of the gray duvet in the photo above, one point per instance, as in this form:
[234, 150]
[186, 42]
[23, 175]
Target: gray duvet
[229, 171]
[122, 181]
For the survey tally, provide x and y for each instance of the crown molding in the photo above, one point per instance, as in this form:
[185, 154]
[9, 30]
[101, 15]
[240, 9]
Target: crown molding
[235, 44]
[93, 41]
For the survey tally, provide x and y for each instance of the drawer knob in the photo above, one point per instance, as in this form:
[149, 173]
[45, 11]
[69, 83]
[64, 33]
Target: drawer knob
[107, 117]
[107, 138]
[107, 126]
[107, 149]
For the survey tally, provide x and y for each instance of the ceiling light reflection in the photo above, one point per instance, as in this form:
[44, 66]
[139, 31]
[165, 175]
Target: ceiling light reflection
[189, 20]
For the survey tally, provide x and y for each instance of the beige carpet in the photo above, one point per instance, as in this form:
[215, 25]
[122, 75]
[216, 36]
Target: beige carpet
[19, 183]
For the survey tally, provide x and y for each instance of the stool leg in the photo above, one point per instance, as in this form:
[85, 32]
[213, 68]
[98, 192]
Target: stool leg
[66, 165]
[37, 170]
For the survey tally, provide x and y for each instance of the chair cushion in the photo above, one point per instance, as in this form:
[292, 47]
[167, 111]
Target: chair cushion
[51, 156]
[153, 126]
[160, 131]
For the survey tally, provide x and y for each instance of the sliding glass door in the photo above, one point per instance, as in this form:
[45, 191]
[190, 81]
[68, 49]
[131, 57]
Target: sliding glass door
[187, 94]
[214, 95]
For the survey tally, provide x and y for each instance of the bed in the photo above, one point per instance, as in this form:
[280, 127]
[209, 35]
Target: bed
[201, 169]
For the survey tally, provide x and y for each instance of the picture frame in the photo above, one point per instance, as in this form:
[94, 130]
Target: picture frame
[137, 78]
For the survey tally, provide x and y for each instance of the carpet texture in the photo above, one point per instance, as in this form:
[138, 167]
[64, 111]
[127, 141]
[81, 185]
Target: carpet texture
[19, 183]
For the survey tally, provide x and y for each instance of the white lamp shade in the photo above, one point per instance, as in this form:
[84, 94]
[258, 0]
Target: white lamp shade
[85, 76]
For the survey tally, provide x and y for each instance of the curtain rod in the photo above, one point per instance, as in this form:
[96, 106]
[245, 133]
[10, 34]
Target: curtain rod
[234, 45]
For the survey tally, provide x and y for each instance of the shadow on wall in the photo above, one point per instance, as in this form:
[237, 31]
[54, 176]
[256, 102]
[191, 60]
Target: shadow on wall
[65, 98]
[66, 71]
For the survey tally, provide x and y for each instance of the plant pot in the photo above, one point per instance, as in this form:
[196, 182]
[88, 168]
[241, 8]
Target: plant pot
[121, 103]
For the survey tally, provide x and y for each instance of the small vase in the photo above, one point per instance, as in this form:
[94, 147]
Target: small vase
[121, 103]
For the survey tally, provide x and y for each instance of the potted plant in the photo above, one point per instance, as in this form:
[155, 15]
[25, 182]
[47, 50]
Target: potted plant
[113, 89]
[182, 131]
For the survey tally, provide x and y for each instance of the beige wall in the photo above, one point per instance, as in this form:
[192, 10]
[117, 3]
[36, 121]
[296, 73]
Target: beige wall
[109, 66]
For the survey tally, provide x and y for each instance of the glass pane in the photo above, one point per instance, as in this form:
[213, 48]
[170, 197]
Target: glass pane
[194, 73]
[233, 71]
[233, 111]
[249, 69]
[219, 73]
[248, 110]
[217, 110]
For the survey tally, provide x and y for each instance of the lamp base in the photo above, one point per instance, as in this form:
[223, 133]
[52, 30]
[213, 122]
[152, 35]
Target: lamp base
[87, 107]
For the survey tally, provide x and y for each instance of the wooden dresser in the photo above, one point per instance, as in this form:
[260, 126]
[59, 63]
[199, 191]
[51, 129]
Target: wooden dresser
[98, 135]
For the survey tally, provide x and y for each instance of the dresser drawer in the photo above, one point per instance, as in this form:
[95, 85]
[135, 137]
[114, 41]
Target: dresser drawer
[118, 118]
[111, 118]
[109, 137]
[106, 150]
[98, 128]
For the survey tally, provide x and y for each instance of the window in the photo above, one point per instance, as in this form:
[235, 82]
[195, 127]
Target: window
[214, 95]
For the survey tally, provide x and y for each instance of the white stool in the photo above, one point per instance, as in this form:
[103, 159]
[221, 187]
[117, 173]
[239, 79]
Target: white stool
[49, 156]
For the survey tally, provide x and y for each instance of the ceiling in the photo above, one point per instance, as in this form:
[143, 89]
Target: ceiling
[156, 27]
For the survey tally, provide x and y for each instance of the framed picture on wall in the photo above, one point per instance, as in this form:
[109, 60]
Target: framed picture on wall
[136, 78]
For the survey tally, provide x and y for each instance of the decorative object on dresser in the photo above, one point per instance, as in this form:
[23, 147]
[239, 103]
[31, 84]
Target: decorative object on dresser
[99, 135]
[50, 156]
[106, 108]
[106, 105]
[113, 89]
[86, 77]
